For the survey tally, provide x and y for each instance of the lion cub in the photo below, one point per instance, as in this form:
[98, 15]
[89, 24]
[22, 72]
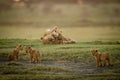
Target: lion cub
[14, 54]
[102, 59]
[34, 54]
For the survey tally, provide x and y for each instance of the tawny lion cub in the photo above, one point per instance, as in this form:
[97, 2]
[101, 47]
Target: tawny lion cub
[102, 59]
[14, 54]
[34, 54]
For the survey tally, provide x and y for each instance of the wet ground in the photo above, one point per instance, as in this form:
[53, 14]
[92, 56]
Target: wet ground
[76, 67]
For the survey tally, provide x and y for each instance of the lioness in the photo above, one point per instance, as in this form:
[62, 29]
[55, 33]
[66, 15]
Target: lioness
[14, 54]
[34, 54]
[102, 59]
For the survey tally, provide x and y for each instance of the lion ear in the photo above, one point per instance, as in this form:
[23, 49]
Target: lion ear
[29, 47]
[96, 50]
[19, 45]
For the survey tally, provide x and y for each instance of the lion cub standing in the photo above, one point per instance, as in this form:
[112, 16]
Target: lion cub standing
[34, 54]
[14, 54]
[102, 59]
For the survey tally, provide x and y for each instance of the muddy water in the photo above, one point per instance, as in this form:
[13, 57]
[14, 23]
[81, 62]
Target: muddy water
[76, 67]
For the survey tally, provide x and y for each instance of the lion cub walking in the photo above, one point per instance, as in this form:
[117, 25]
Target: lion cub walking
[34, 54]
[14, 54]
[102, 59]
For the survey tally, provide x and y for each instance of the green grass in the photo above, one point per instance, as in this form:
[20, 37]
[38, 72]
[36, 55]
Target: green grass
[75, 53]
[69, 52]
[50, 69]
[59, 77]
[80, 34]
[40, 77]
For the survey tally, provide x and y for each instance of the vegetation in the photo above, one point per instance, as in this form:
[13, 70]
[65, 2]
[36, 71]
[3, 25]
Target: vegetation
[65, 61]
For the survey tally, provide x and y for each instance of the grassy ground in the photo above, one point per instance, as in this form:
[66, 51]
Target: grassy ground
[64, 62]
[80, 34]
